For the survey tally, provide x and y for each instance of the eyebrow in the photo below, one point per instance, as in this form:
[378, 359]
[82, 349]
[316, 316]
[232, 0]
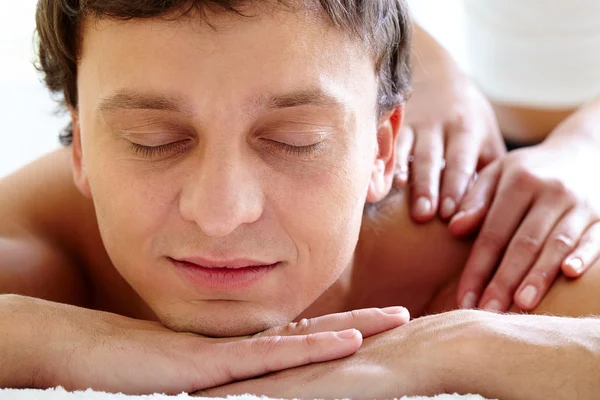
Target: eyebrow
[309, 97]
[134, 100]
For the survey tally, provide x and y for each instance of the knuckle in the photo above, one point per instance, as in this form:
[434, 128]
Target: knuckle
[490, 240]
[558, 188]
[527, 244]
[355, 315]
[309, 342]
[297, 328]
[523, 179]
[269, 344]
[461, 121]
[562, 243]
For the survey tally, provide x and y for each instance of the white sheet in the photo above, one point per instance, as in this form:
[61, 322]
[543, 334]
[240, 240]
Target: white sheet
[61, 394]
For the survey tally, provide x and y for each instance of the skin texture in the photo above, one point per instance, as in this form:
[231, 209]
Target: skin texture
[237, 138]
[533, 209]
[110, 232]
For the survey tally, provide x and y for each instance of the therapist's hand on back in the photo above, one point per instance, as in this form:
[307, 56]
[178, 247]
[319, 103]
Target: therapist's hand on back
[537, 211]
[451, 119]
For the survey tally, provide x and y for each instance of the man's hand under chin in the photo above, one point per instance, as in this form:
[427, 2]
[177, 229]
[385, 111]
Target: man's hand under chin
[460, 351]
[42, 344]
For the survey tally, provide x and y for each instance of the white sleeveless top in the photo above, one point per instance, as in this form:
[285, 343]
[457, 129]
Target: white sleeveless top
[540, 53]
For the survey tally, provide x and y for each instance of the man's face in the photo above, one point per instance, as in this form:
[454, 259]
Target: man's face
[251, 144]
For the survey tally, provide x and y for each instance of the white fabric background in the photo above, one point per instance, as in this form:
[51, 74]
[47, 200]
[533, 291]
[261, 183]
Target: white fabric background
[29, 127]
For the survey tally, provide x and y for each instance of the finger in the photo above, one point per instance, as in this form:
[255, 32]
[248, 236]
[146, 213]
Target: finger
[585, 254]
[523, 251]
[249, 358]
[476, 203]
[404, 145]
[425, 172]
[492, 149]
[369, 322]
[462, 153]
[503, 219]
[558, 245]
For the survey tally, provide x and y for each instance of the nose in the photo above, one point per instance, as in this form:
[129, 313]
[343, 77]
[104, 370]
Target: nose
[223, 194]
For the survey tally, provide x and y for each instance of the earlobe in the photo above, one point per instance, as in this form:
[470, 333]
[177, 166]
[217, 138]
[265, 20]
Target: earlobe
[385, 163]
[78, 165]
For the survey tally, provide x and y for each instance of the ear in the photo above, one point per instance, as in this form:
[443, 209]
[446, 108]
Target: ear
[385, 162]
[78, 164]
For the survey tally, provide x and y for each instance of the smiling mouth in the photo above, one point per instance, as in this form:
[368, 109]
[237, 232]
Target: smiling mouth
[223, 278]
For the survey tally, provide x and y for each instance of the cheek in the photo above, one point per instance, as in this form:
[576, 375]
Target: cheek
[322, 213]
[132, 203]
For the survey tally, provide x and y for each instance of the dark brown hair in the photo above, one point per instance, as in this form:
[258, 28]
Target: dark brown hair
[384, 26]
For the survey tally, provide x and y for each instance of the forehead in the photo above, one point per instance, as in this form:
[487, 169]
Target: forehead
[233, 58]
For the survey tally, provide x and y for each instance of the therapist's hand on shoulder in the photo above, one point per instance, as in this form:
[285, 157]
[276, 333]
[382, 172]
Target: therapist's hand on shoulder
[537, 211]
[449, 132]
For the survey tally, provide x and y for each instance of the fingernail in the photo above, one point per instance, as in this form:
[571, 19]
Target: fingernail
[448, 207]
[393, 310]
[348, 334]
[469, 301]
[528, 295]
[422, 207]
[576, 264]
[493, 305]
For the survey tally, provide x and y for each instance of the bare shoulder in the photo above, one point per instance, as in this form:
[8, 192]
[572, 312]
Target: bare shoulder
[574, 297]
[45, 227]
[421, 260]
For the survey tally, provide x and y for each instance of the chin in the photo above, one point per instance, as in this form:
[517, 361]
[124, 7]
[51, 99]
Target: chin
[225, 324]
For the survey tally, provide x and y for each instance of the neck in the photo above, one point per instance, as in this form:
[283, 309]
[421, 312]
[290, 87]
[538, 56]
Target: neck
[345, 293]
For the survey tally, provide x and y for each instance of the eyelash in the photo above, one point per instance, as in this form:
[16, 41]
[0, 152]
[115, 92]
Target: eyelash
[296, 151]
[151, 151]
[288, 149]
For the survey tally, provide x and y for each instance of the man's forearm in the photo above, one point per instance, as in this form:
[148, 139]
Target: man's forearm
[16, 347]
[529, 357]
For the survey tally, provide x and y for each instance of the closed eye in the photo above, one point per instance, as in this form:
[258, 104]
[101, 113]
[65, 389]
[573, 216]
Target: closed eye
[152, 151]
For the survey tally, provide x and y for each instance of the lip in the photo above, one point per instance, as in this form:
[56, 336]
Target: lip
[221, 276]
[229, 264]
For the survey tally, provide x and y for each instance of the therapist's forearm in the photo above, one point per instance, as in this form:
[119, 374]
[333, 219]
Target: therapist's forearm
[583, 124]
[538, 358]
[428, 56]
